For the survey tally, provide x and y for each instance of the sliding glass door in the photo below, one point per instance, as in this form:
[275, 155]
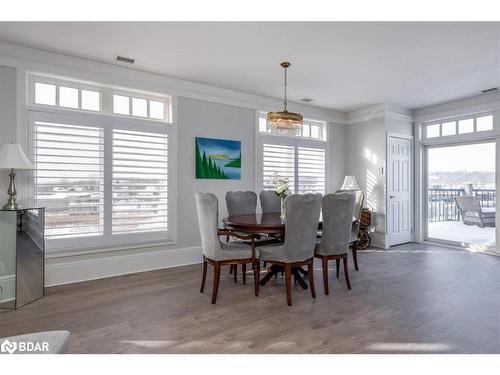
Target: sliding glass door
[461, 199]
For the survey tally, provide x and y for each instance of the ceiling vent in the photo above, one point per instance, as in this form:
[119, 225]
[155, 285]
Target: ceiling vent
[307, 100]
[489, 90]
[126, 60]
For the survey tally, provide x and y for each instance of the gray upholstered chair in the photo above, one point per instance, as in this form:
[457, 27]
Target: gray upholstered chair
[269, 202]
[216, 252]
[241, 202]
[51, 342]
[356, 222]
[472, 213]
[302, 217]
[336, 233]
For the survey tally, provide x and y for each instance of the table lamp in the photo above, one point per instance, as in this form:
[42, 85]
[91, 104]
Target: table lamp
[350, 183]
[13, 157]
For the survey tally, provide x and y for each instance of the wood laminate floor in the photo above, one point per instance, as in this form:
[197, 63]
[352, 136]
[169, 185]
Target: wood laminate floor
[409, 299]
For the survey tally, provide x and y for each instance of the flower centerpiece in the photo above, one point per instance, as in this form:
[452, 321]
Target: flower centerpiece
[281, 186]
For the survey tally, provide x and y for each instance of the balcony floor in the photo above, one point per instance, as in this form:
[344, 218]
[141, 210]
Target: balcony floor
[457, 232]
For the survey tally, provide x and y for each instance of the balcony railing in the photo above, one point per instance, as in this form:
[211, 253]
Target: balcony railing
[442, 207]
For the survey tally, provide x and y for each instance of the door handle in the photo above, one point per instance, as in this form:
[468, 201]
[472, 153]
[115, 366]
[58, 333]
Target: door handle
[391, 196]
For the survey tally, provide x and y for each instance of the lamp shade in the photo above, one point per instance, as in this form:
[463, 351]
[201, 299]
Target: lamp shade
[12, 156]
[350, 183]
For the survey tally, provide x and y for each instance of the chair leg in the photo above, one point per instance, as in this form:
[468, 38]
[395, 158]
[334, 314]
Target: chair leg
[324, 265]
[216, 281]
[337, 265]
[256, 274]
[244, 269]
[355, 255]
[288, 282]
[310, 271]
[235, 273]
[204, 277]
[346, 274]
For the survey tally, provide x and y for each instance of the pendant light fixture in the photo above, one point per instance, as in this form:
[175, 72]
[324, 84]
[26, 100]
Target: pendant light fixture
[285, 122]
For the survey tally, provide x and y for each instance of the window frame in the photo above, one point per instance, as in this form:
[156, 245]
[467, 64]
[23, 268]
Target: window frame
[106, 93]
[108, 240]
[475, 134]
[287, 140]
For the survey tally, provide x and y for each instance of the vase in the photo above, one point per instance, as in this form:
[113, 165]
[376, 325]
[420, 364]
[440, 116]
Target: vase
[282, 216]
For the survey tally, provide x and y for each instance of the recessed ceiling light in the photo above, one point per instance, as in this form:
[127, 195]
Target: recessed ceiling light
[127, 60]
[489, 90]
[307, 100]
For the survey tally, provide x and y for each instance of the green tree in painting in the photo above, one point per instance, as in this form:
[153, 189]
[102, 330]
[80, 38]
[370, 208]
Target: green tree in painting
[235, 163]
[206, 168]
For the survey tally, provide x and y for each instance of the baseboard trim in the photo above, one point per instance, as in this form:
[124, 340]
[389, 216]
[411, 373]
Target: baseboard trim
[70, 271]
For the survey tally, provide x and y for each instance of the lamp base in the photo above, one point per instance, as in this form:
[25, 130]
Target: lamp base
[11, 206]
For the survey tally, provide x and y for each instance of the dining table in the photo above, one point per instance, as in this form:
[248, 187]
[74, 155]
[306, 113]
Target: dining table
[271, 224]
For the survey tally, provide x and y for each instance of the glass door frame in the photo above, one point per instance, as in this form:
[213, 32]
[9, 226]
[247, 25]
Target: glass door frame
[425, 211]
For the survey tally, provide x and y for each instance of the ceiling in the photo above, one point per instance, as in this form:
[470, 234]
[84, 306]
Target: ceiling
[341, 65]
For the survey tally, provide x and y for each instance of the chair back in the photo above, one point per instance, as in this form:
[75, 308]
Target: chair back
[207, 207]
[269, 202]
[302, 218]
[358, 208]
[337, 211]
[241, 202]
[468, 204]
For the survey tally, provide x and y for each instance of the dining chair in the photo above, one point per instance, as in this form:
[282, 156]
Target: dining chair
[240, 203]
[269, 202]
[356, 222]
[337, 211]
[218, 253]
[301, 223]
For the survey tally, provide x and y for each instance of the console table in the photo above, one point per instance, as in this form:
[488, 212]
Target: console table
[22, 258]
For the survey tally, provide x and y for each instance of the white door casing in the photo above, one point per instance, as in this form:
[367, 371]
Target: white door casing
[399, 190]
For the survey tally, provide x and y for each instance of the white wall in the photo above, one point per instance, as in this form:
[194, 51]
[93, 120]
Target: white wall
[366, 154]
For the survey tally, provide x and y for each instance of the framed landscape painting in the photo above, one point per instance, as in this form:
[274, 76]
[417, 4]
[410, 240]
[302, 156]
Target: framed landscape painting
[218, 159]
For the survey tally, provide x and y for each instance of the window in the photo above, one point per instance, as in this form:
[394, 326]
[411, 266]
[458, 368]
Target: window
[310, 129]
[69, 178]
[59, 95]
[102, 178]
[139, 107]
[139, 181]
[82, 96]
[302, 160]
[466, 125]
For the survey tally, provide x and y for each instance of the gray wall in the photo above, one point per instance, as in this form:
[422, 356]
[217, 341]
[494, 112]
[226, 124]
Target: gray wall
[337, 145]
[8, 93]
[202, 119]
[366, 154]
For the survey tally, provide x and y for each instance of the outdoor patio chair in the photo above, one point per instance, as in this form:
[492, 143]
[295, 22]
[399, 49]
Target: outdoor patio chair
[472, 213]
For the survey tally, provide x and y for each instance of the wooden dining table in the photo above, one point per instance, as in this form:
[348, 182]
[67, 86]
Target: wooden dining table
[269, 224]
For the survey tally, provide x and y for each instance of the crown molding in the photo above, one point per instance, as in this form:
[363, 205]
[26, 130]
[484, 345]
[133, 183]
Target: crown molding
[379, 111]
[45, 62]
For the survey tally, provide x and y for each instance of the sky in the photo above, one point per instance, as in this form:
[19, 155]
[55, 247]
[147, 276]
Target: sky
[219, 146]
[472, 158]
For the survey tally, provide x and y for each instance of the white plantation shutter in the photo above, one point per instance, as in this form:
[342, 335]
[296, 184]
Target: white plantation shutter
[281, 159]
[69, 178]
[140, 184]
[302, 161]
[311, 170]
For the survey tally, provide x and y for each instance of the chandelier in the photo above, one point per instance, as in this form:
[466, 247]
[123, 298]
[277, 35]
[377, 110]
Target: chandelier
[285, 122]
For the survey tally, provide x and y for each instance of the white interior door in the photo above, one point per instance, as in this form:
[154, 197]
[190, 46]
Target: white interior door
[399, 190]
